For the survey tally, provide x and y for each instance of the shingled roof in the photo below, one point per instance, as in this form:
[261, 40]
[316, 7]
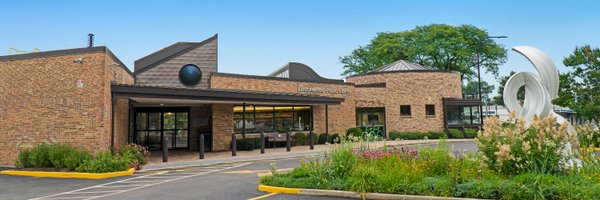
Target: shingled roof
[167, 53]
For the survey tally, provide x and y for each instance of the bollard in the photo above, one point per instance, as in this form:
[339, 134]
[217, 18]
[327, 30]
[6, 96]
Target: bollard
[288, 141]
[233, 145]
[311, 138]
[165, 149]
[262, 142]
[201, 147]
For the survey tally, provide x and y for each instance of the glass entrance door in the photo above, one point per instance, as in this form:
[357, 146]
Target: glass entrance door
[154, 124]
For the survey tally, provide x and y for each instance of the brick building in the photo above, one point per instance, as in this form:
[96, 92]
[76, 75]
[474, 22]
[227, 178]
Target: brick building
[88, 98]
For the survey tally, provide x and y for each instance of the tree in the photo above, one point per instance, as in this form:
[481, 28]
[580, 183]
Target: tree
[471, 89]
[439, 46]
[581, 89]
[499, 99]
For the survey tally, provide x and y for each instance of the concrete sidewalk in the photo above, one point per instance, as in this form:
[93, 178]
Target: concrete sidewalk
[181, 159]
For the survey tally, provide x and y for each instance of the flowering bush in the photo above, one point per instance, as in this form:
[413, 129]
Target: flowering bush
[588, 137]
[352, 165]
[515, 148]
[403, 153]
[134, 154]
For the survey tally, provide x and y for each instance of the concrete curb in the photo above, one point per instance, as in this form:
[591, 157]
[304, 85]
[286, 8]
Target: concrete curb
[348, 194]
[79, 175]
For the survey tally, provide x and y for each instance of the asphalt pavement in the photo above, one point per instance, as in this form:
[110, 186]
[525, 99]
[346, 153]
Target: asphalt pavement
[217, 181]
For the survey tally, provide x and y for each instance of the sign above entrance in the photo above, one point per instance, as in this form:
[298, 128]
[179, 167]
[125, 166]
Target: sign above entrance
[323, 90]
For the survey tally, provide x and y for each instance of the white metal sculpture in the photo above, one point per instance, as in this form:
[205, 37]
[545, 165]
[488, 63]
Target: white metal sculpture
[540, 90]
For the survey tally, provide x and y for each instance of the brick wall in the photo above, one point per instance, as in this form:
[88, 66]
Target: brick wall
[416, 89]
[222, 126]
[41, 103]
[341, 117]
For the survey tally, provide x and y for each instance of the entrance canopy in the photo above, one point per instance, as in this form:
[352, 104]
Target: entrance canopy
[163, 95]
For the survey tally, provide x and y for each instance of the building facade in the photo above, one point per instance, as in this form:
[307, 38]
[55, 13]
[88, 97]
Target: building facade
[88, 98]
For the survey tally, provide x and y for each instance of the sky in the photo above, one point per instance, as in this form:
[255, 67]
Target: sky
[257, 37]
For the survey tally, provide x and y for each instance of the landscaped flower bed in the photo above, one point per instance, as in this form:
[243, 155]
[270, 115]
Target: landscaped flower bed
[58, 157]
[514, 163]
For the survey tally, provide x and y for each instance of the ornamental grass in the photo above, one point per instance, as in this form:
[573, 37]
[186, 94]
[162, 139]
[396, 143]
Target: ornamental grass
[539, 160]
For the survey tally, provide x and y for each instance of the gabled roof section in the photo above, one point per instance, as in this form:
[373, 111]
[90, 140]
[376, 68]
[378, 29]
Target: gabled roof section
[301, 72]
[401, 65]
[64, 52]
[167, 53]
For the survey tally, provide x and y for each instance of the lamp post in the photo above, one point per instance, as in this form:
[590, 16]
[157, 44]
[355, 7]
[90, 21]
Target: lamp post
[479, 76]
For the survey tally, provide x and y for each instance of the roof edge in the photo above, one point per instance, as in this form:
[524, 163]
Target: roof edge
[274, 78]
[404, 71]
[53, 53]
[66, 52]
[150, 66]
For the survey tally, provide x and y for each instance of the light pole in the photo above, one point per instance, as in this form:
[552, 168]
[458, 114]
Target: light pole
[479, 76]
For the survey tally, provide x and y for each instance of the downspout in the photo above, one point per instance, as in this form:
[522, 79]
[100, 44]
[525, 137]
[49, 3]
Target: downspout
[112, 122]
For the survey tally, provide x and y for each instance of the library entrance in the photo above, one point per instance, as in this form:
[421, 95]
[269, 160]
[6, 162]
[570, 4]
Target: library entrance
[153, 124]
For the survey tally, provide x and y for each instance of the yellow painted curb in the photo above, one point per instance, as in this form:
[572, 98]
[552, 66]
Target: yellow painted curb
[68, 174]
[279, 190]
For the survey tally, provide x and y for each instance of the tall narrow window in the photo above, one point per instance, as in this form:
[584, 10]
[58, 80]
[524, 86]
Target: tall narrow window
[429, 109]
[405, 110]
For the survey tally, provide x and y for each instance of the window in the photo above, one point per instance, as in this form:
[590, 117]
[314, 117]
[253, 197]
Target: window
[405, 110]
[272, 118]
[429, 109]
[190, 75]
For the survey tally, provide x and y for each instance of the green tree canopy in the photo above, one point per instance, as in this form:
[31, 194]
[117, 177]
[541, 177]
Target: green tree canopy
[440, 46]
[580, 88]
[471, 89]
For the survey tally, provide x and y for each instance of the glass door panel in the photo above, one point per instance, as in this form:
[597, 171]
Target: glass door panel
[182, 120]
[153, 125]
[170, 136]
[181, 139]
[168, 121]
[153, 141]
[153, 121]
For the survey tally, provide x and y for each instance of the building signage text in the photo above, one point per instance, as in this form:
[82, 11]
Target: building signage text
[323, 90]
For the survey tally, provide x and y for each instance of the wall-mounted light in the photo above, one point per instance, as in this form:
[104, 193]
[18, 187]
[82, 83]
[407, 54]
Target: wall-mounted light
[78, 60]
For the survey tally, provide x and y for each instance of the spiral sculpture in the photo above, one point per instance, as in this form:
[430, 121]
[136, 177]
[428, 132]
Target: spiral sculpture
[540, 89]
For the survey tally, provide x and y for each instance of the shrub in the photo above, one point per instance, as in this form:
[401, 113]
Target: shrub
[23, 159]
[134, 154]
[104, 162]
[246, 144]
[58, 153]
[334, 138]
[518, 149]
[362, 179]
[355, 131]
[470, 133]
[588, 137]
[322, 139]
[394, 135]
[299, 139]
[55, 156]
[38, 157]
[436, 135]
[75, 158]
[456, 134]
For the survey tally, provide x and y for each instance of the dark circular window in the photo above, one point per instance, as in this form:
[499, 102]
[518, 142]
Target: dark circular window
[190, 74]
